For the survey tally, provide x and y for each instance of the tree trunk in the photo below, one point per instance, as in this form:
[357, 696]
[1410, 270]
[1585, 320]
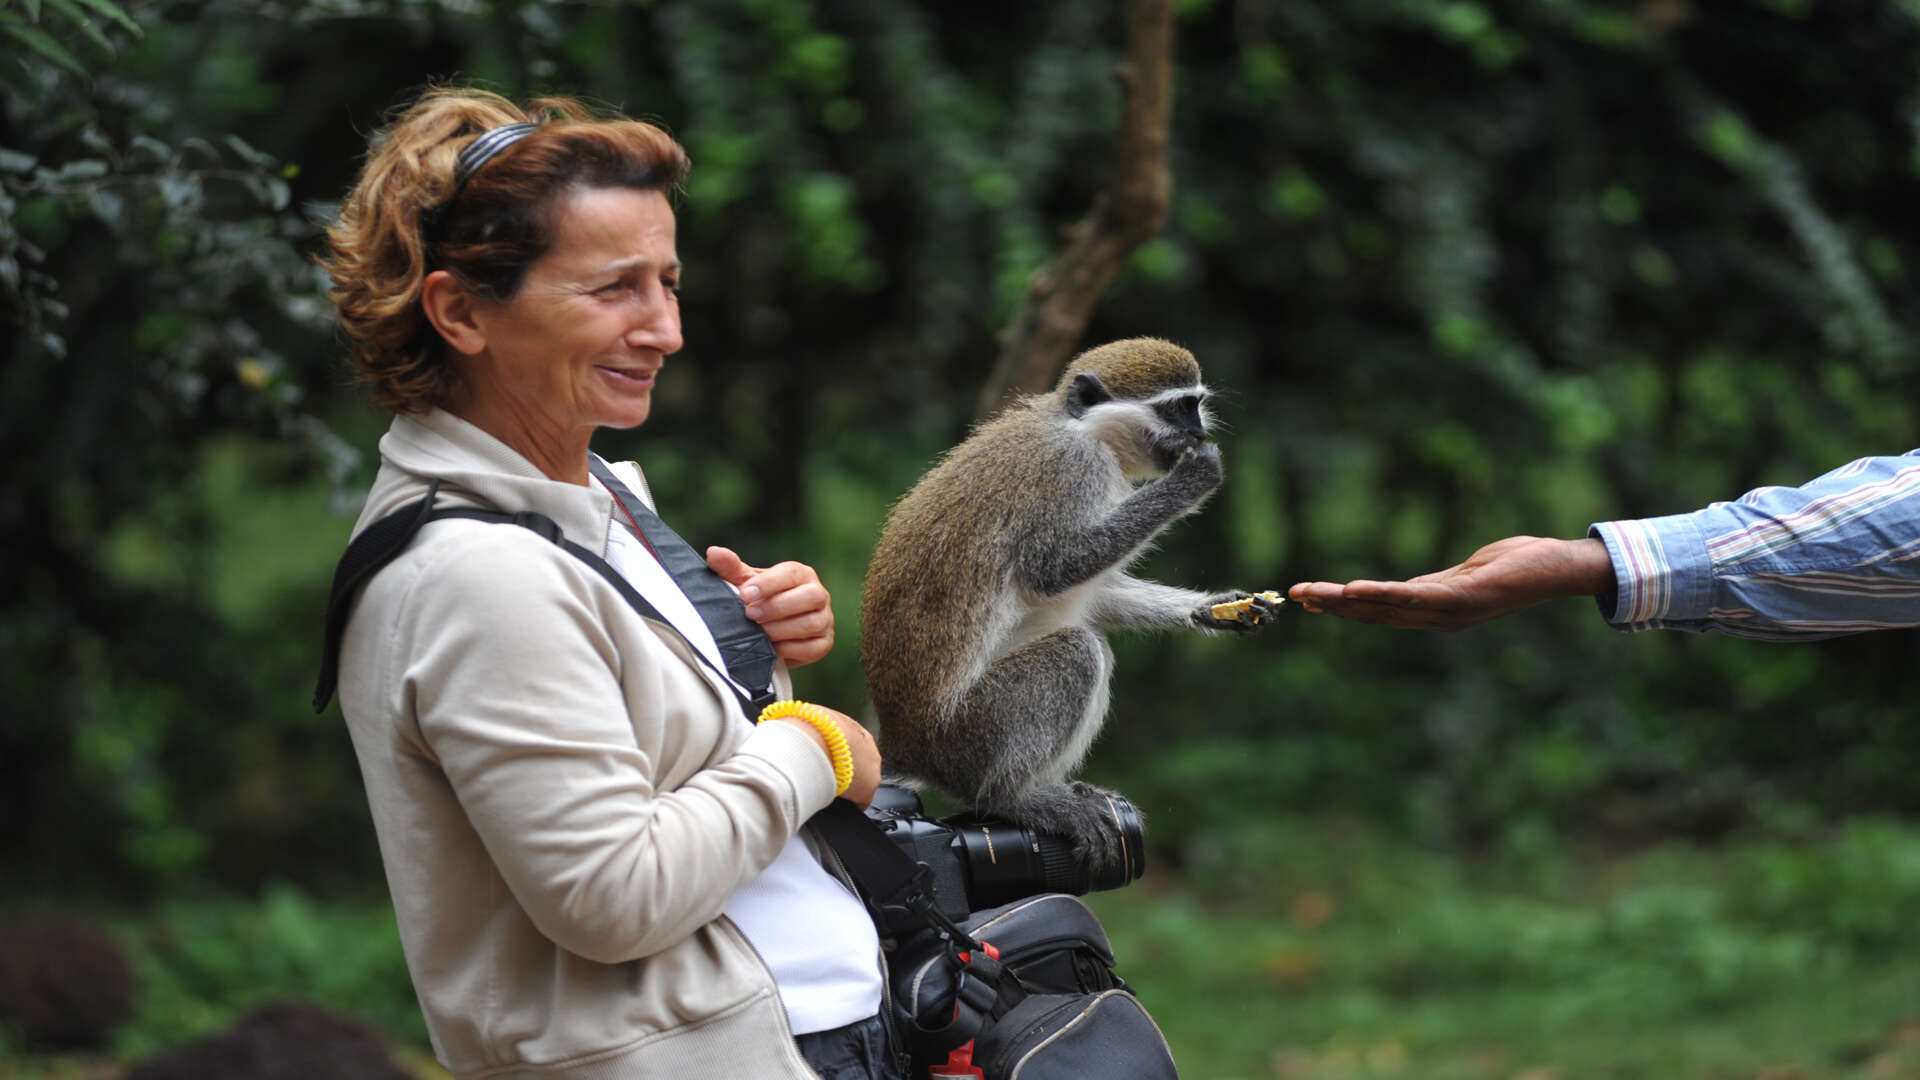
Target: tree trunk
[1129, 210]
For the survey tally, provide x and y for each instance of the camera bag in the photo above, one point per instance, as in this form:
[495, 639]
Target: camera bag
[1074, 1036]
[1051, 942]
[1025, 990]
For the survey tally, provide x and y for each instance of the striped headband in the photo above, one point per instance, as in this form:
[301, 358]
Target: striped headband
[474, 157]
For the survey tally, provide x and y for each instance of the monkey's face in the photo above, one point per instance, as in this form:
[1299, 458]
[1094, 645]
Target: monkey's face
[1179, 424]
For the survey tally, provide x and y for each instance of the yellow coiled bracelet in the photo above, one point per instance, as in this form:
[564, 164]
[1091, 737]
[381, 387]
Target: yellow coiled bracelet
[837, 749]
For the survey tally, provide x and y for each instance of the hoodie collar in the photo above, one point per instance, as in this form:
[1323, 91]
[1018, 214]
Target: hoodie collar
[476, 469]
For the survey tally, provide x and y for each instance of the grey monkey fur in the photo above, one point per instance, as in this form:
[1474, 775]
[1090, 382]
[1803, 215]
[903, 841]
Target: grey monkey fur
[994, 578]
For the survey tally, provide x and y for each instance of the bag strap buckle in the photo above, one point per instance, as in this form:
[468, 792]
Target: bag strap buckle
[959, 1064]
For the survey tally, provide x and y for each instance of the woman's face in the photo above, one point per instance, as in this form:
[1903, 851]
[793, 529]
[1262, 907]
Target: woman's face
[579, 346]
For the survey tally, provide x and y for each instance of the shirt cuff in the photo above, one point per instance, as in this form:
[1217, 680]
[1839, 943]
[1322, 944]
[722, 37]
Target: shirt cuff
[1661, 571]
[794, 753]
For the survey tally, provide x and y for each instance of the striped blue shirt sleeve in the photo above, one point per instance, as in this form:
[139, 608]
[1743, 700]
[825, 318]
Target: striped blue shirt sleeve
[1837, 556]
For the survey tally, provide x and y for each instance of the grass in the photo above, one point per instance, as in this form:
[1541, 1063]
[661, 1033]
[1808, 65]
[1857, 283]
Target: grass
[1359, 959]
[1316, 950]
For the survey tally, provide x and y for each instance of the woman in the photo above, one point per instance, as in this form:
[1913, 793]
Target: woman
[597, 862]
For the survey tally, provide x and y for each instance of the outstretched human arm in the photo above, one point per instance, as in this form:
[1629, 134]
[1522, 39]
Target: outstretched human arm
[1501, 578]
[1838, 555]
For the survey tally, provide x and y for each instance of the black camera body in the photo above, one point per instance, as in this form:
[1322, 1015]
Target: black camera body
[980, 862]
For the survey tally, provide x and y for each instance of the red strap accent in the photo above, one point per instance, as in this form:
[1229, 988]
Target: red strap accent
[959, 1063]
[632, 525]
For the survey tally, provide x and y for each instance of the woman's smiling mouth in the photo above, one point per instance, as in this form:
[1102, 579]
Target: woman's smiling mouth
[634, 377]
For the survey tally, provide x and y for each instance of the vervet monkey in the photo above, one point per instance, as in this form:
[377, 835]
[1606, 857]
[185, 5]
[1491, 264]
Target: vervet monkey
[981, 628]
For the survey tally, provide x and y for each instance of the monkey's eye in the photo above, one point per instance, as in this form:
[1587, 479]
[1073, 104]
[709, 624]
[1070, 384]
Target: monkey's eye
[1183, 414]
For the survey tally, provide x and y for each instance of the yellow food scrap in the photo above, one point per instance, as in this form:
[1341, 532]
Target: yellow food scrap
[1249, 610]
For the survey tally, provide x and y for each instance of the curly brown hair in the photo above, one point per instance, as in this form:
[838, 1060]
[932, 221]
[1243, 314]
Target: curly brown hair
[393, 228]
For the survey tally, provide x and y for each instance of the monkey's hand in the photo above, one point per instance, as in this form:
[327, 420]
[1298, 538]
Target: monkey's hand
[1197, 471]
[1240, 612]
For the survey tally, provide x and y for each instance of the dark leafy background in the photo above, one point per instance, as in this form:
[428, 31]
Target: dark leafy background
[1458, 270]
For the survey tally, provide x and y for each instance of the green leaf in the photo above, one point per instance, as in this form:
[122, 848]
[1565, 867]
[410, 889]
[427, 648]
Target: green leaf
[14, 161]
[1619, 205]
[112, 11]
[1728, 138]
[39, 42]
[109, 208]
[1463, 21]
[252, 157]
[73, 12]
[33, 10]
[160, 151]
[84, 169]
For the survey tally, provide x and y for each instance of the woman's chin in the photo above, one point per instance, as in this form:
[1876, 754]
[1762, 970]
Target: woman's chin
[626, 414]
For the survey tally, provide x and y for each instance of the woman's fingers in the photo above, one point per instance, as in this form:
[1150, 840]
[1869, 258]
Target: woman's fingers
[730, 566]
[800, 600]
[800, 652]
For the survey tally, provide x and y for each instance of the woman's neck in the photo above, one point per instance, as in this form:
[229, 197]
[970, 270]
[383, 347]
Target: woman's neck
[558, 452]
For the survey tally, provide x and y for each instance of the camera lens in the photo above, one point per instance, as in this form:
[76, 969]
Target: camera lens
[1007, 861]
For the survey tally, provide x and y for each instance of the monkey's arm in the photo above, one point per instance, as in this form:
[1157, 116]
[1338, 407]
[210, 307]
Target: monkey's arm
[1131, 603]
[1077, 554]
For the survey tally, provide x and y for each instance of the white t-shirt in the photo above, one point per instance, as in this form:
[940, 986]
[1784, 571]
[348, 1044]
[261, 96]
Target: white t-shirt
[810, 930]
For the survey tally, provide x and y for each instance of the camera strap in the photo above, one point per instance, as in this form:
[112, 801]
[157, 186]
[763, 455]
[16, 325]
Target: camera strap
[744, 647]
[892, 883]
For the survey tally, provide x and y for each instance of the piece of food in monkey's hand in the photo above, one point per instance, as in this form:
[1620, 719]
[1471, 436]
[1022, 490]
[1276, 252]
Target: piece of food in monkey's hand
[1250, 611]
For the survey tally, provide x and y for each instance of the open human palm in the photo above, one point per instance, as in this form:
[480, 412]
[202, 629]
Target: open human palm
[1501, 578]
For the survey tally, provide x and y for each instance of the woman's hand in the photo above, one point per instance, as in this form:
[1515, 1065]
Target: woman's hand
[788, 602]
[866, 755]
[1504, 577]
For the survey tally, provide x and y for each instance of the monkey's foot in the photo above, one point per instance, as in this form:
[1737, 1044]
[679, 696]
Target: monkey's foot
[1239, 611]
[1083, 814]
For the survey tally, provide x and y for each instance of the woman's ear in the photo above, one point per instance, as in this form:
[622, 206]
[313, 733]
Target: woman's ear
[450, 309]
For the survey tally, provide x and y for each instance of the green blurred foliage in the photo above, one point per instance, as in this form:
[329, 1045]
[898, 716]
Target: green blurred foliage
[203, 964]
[1329, 950]
[1459, 270]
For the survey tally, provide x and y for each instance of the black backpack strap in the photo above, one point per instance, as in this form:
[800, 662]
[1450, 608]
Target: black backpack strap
[376, 546]
[383, 541]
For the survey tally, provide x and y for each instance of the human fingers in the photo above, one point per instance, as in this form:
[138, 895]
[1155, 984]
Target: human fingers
[1335, 597]
[799, 652]
[730, 566]
[779, 578]
[807, 624]
[769, 605]
[1387, 603]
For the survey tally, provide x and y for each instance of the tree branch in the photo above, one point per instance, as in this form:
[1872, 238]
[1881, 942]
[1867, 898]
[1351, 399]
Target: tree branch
[1126, 213]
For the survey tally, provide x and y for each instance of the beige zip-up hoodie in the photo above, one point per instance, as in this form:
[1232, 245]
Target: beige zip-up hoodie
[565, 797]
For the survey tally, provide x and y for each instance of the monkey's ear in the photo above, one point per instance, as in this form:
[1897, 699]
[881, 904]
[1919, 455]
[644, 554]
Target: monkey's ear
[1086, 392]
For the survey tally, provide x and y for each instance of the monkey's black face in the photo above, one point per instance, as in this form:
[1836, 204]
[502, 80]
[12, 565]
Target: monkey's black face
[1182, 427]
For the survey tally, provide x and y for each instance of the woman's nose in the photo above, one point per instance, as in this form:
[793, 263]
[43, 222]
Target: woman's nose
[657, 328]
